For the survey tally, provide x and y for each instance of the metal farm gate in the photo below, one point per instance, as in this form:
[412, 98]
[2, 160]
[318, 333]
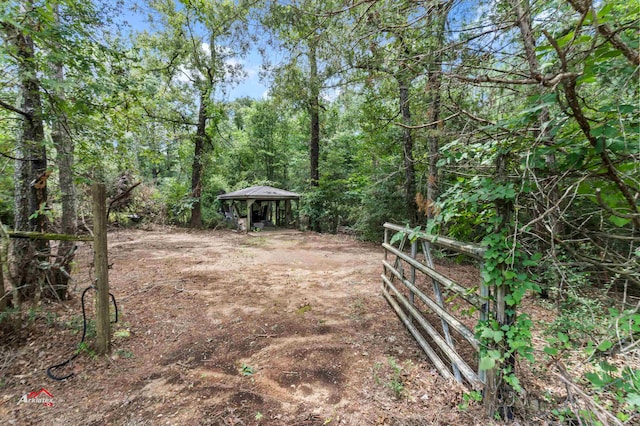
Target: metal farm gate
[417, 292]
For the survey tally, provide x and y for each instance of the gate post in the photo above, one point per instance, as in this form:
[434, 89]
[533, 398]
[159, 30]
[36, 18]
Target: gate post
[487, 377]
[103, 326]
[412, 277]
[497, 392]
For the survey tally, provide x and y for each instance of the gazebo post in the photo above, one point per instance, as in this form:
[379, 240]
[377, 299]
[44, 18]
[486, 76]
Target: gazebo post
[287, 212]
[249, 204]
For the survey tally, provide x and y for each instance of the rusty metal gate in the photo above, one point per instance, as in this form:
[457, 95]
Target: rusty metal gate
[424, 299]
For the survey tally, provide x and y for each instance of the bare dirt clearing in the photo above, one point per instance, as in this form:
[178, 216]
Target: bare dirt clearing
[223, 328]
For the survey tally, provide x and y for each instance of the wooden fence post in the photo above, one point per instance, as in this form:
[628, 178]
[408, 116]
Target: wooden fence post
[103, 326]
[4, 256]
[498, 395]
[412, 276]
[487, 377]
[3, 293]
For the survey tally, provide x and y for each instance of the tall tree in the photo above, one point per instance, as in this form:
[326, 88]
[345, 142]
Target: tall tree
[202, 37]
[30, 152]
[65, 149]
[45, 40]
[403, 41]
[305, 32]
[436, 25]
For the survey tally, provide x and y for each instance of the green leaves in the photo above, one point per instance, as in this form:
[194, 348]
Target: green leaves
[495, 335]
[490, 360]
[411, 234]
[247, 370]
[397, 237]
[486, 363]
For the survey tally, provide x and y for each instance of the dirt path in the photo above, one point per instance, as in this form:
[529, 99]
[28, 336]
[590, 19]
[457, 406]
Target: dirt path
[277, 328]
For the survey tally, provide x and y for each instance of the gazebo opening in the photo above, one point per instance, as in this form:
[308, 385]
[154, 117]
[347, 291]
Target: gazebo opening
[261, 207]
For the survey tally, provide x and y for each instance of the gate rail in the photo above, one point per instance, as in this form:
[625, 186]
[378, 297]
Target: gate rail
[401, 290]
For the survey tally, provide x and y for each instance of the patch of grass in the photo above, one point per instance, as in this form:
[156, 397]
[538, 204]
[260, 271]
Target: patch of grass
[469, 398]
[304, 308]
[390, 376]
[582, 318]
[122, 334]
[85, 348]
[357, 309]
[247, 370]
[32, 315]
[76, 326]
[255, 241]
[359, 305]
[376, 369]
[124, 353]
[9, 315]
[51, 318]
[395, 383]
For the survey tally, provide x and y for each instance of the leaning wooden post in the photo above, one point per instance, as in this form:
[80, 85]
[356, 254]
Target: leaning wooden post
[103, 326]
[3, 293]
[487, 377]
[412, 276]
[386, 241]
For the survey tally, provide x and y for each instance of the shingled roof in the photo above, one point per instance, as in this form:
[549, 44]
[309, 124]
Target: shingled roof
[260, 193]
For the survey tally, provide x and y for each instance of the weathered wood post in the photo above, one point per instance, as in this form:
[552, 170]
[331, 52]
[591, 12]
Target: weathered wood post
[249, 208]
[487, 377]
[386, 241]
[288, 216]
[3, 293]
[412, 276]
[498, 395]
[4, 253]
[103, 326]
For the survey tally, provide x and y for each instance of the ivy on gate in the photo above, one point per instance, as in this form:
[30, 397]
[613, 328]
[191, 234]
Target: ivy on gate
[505, 265]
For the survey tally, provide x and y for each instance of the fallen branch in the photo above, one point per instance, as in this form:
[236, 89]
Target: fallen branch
[121, 196]
[599, 411]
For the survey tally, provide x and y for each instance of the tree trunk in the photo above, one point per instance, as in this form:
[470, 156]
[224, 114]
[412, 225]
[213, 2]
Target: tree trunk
[407, 150]
[314, 112]
[3, 292]
[433, 143]
[64, 157]
[434, 86]
[30, 174]
[197, 170]
[523, 15]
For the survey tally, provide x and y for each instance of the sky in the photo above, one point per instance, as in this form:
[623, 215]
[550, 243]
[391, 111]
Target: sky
[250, 86]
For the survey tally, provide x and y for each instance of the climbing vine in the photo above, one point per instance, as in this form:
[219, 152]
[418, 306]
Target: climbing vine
[505, 265]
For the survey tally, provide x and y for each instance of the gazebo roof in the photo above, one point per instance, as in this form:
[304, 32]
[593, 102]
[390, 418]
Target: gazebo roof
[260, 193]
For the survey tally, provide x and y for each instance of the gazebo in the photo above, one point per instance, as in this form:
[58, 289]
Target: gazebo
[260, 206]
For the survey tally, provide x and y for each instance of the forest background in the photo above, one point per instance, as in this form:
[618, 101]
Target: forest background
[510, 123]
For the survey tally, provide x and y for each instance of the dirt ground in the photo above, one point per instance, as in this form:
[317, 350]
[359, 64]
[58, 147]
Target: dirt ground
[216, 327]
